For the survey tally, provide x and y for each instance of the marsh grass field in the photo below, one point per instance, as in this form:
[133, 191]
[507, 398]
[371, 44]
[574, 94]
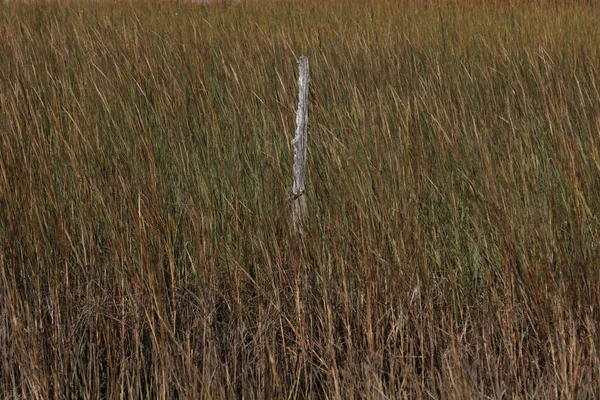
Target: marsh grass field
[146, 239]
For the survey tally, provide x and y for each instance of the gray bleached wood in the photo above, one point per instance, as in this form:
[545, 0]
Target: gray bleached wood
[299, 206]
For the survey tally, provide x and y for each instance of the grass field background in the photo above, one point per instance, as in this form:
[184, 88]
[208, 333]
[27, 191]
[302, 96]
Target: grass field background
[147, 249]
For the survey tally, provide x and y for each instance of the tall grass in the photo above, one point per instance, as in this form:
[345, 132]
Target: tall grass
[147, 249]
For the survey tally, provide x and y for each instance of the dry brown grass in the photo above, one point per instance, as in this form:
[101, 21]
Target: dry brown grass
[145, 171]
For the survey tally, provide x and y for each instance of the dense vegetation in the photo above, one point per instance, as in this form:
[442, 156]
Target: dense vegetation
[146, 243]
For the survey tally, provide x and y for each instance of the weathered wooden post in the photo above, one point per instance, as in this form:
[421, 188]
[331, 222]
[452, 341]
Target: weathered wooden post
[299, 206]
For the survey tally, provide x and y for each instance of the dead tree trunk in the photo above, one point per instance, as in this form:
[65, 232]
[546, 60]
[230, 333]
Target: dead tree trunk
[299, 206]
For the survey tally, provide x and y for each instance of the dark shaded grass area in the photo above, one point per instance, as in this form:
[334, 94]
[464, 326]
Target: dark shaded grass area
[145, 194]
